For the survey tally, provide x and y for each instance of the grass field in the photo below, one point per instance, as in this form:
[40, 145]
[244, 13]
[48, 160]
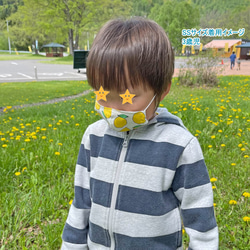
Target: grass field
[39, 147]
[21, 56]
[44, 59]
[19, 93]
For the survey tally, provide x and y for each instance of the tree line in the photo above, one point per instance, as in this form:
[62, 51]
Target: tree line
[74, 22]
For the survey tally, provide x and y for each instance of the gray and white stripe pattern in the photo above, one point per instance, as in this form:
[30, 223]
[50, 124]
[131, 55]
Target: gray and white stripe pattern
[141, 201]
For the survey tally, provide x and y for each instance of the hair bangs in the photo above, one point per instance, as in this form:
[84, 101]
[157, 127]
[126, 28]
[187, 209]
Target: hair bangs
[115, 70]
[133, 52]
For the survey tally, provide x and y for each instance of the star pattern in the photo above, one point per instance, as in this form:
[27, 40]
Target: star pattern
[127, 97]
[101, 94]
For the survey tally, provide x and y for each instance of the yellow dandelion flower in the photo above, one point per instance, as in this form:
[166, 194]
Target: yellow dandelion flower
[27, 140]
[243, 149]
[213, 136]
[51, 140]
[240, 145]
[246, 218]
[213, 187]
[25, 168]
[22, 149]
[4, 145]
[213, 179]
[17, 173]
[70, 202]
[214, 204]
[3, 139]
[246, 156]
[233, 164]
[232, 202]
[60, 144]
[223, 145]
[77, 124]
[246, 194]
[210, 146]
[220, 131]
[44, 137]
[57, 153]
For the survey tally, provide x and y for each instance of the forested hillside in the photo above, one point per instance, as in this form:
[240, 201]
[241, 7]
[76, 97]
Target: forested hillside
[77, 21]
[221, 6]
[7, 7]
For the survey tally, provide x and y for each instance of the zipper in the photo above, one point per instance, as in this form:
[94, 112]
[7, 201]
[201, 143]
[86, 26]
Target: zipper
[116, 187]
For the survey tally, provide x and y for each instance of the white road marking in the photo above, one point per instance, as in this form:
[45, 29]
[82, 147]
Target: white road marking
[25, 75]
[5, 75]
[50, 74]
[73, 73]
[14, 63]
[10, 79]
[64, 77]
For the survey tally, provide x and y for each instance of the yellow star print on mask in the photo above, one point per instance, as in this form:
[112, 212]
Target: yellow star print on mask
[101, 94]
[127, 97]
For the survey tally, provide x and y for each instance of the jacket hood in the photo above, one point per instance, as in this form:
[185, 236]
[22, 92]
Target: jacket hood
[164, 116]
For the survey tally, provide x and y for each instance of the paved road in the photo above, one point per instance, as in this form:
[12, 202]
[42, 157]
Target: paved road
[31, 70]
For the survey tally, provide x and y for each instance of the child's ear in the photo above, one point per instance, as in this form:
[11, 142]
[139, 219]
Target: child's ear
[166, 91]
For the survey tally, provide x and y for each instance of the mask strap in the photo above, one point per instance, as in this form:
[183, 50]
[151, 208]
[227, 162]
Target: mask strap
[150, 102]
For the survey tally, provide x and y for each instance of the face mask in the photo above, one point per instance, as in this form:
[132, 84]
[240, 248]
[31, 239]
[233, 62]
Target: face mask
[121, 120]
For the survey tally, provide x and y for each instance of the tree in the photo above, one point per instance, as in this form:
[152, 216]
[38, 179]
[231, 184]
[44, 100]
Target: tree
[65, 18]
[7, 7]
[214, 19]
[143, 7]
[173, 17]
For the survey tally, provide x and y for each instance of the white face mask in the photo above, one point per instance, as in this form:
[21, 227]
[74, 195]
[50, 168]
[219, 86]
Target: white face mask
[121, 120]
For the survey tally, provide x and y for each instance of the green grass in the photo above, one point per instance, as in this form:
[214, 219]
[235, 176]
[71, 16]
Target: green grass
[19, 93]
[21, 56]
[61, 60]
[25, 56]
[39, 147]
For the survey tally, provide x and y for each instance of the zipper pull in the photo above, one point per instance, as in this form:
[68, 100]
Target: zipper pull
[125, 142]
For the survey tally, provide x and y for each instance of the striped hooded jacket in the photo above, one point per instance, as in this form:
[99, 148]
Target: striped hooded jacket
[135, 190]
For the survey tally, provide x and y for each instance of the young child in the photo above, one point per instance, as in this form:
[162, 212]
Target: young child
[238, 64]
[140, 174]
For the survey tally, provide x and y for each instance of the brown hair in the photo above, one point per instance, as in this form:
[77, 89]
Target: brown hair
[134, 51]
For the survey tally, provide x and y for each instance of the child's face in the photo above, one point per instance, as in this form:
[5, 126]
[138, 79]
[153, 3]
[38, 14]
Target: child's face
[139, 102]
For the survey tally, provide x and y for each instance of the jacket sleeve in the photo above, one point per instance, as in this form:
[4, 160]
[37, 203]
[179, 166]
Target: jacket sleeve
[193, 189]
[75, 231]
